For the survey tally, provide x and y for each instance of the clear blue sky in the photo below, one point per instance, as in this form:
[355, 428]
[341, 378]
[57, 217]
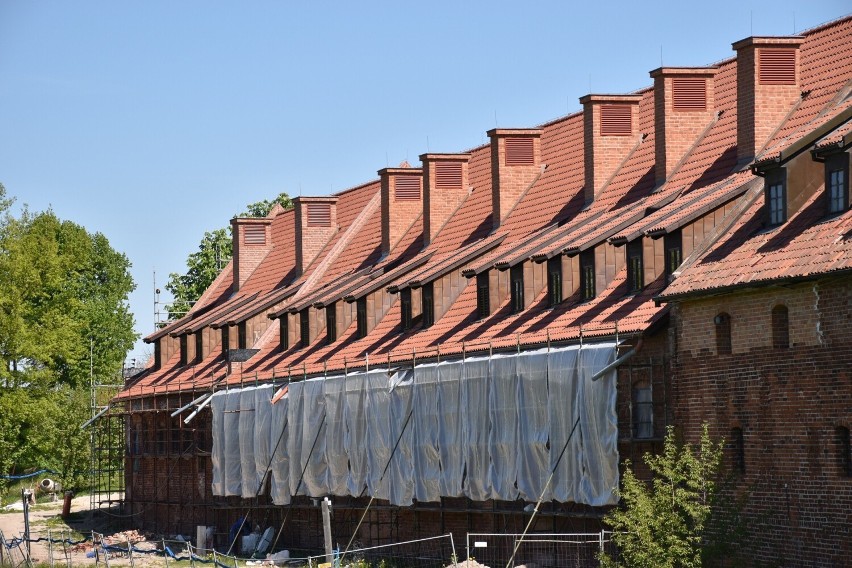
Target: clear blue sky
[155, 121]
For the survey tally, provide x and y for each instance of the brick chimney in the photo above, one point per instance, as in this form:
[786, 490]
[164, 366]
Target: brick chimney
[445, 185]
[767, 88]
[683, 108]
[316, 223]
[610, 130]
[402, 203]
[515, 163]
[252, 241]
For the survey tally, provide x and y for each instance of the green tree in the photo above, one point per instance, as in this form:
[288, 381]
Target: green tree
[205, 264]
[664, 524]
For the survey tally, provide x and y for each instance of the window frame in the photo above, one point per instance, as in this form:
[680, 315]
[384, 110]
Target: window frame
[554, 281]
[837, 163]
[516, 288]
[284, 332]
[184, 350]
[588, 289]
[635, 266]
[305, 327]
[483, 295]
[331, 322]
[427, 302]
[673, 251]
[775, 197]
[361, 317]
[405, 309]
[199, 346]
[226, 340]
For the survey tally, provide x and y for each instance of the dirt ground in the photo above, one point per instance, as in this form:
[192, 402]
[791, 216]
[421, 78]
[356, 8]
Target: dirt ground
[46, 517]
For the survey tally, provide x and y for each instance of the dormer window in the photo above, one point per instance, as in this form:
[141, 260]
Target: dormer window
[516, 278]
[837, 182]
[361, 317]
[331, 323]
[427, 296]
[483, 292]
[673, 247]
[776, 197]
[199, 346]
[635, 270]
[226, 339]
[283, 332]
[554, 281]
[158, 354]
[184, 358]
[305, 327]
[405, 308]
[587, 274]
[242, 341]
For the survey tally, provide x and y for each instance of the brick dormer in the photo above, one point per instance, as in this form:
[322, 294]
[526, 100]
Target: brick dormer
[445, 185]
[610, 131]
[684, 105]
[402, 203]
[515, 164]
[767, 88]
[252, 241]
[316, 223]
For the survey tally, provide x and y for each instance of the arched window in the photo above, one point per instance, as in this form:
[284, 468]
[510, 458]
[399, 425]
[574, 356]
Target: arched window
[780, 327]
[723, 334]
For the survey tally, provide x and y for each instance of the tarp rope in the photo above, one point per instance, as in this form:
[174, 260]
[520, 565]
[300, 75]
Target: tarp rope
[28, 475]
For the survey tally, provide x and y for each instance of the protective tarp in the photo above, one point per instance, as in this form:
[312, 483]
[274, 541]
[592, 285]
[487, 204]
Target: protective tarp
[563, 389]
[279, 426]
[533, 454]
[599, 426]
[295, 429]
[248, 480]
[355, 435]
[335, 433]
[401, 470]
[487, 427]
[262, 416]
[450, 432]
[427, 432]
[503, 439]
[477, 480]
[217, 456]
[233, 474]
[379, 435]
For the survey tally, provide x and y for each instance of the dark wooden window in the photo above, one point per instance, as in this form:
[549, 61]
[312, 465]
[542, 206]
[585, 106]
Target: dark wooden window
[226, 339]
[331, 323]
[283, 332]
[361, 317]
[184, 356]
[776, 198]
[405, 308]
[587, 274]
[483, 296]
[837, 182]
[158, 354]
[844, 446]
[673, 246]
[723, 334]
[554, 281]
[737, 448]
[427, 296]
[199, 346]
[780, 327]
[635, 269]
[305, 327]
[242, 341]
[516, 280]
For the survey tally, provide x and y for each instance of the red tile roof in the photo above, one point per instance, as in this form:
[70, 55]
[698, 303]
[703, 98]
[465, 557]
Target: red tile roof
[549, 218]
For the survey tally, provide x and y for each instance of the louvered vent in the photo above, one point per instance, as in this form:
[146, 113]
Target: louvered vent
[616, 120]
[319, 214]
[519, 152]
[448, 175]
[689, 93]
[254, 235]
[777, 66]
[406, 188]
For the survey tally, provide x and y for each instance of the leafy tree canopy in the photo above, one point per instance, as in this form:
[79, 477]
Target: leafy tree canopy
[664, 525]
[205, 264]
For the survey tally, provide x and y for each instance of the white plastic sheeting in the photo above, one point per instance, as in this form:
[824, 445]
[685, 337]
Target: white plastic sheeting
[484, 428]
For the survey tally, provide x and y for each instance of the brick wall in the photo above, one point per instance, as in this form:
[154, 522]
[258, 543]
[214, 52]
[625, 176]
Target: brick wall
[399, 211]
[788, 403]
[249, 252]
[440, 200]
[311, 237]
[508, 182]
